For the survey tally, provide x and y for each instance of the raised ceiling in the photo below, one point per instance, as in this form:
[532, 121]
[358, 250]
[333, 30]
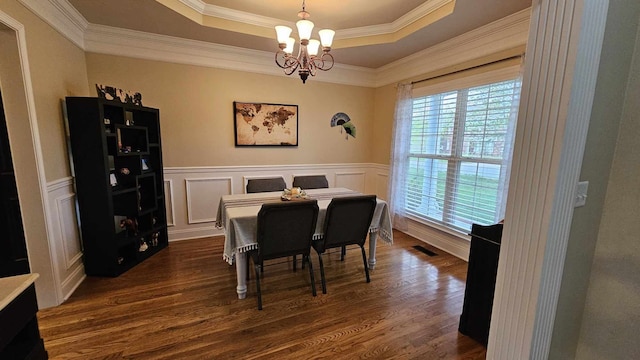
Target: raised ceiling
[369, 33]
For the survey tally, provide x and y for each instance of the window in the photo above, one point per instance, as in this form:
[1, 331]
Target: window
[457, 154]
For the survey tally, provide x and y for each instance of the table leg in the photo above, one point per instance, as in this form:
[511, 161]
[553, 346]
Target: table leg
[241, 274]
[373, 237]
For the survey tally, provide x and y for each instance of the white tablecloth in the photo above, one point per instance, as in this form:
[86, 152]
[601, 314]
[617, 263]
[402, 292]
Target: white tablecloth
[238, 215]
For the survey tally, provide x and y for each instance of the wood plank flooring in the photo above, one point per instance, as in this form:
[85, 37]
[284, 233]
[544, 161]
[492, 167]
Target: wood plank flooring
[182, 304]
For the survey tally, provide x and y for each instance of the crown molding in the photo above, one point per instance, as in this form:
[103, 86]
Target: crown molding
[115, 41]
[407, 19]
[62, 16]
[423, 10]
[507, 33]
[235, 15]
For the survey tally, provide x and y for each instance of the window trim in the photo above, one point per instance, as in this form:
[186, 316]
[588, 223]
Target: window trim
[438, 226]
[456, 157]
[484, 78]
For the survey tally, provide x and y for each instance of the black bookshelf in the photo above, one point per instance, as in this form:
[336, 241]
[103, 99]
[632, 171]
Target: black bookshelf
[117, 160]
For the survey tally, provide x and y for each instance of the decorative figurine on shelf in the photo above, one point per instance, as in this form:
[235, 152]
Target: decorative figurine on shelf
[128, 115]
[154, 239]
[143, 245]
[124, 96]
[130, 225]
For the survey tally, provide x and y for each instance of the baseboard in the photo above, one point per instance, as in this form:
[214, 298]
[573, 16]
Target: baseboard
[199, 232]
[454, 245]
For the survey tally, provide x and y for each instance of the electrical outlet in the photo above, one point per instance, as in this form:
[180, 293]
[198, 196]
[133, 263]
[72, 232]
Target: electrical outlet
[581, 193]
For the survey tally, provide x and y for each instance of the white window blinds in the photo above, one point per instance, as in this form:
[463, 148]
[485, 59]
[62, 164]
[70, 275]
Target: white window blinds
[457, 153]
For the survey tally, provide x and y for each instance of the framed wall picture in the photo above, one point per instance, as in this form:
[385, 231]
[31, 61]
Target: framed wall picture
[262, 124]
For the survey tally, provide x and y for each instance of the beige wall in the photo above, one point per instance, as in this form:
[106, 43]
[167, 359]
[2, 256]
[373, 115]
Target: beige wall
[611, 318]
[607, 112]
[57, 69]
[385, 102]
[196, 112]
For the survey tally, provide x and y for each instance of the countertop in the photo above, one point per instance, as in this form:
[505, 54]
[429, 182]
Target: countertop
[11, 287]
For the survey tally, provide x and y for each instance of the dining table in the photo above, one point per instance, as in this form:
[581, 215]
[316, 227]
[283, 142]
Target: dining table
[238, 216]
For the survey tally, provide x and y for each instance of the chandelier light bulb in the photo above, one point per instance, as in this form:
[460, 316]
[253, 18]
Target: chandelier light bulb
[304, 29]
[326, 37]
[283, 33]
[290, 42]
[313, 46]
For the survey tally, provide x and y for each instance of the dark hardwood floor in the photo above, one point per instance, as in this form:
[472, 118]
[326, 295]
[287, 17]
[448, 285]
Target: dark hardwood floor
[182, 304]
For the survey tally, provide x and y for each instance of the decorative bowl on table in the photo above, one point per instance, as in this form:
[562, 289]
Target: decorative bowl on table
[295, 193]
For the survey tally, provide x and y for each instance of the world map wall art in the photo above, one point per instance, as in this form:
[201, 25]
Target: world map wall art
[260, 124]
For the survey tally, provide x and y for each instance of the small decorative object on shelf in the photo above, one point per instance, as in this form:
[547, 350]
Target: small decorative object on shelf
[145, 164]
[128, 116]
[123, 96]
[123, 219]
[143, 245]
[130, 225]
[107, 124]
[113, 180]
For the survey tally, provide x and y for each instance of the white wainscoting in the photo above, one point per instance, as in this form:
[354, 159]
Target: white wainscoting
[192, 195]
[66, 245]
[196, 191]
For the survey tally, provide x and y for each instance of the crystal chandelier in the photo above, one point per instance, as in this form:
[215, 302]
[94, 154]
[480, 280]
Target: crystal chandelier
[307, 61]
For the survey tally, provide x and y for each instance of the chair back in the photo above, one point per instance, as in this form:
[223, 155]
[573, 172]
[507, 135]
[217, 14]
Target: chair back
[286, 228]
[310, 182]
[265, 185]
[347, 221]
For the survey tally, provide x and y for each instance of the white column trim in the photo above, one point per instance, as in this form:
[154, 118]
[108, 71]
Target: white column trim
[40, 172]
[558, 89]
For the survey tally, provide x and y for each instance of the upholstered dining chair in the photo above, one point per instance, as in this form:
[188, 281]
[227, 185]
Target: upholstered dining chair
[284, 229]
[265, 185]
[310, 181]
[346, 222]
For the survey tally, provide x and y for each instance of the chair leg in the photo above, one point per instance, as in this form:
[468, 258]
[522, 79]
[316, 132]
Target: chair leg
[324, 283]
[306, 258]
[343, 252]
[364, 260]
[257, 268]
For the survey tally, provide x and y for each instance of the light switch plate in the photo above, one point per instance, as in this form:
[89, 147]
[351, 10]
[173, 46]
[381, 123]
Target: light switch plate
[581, 193]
